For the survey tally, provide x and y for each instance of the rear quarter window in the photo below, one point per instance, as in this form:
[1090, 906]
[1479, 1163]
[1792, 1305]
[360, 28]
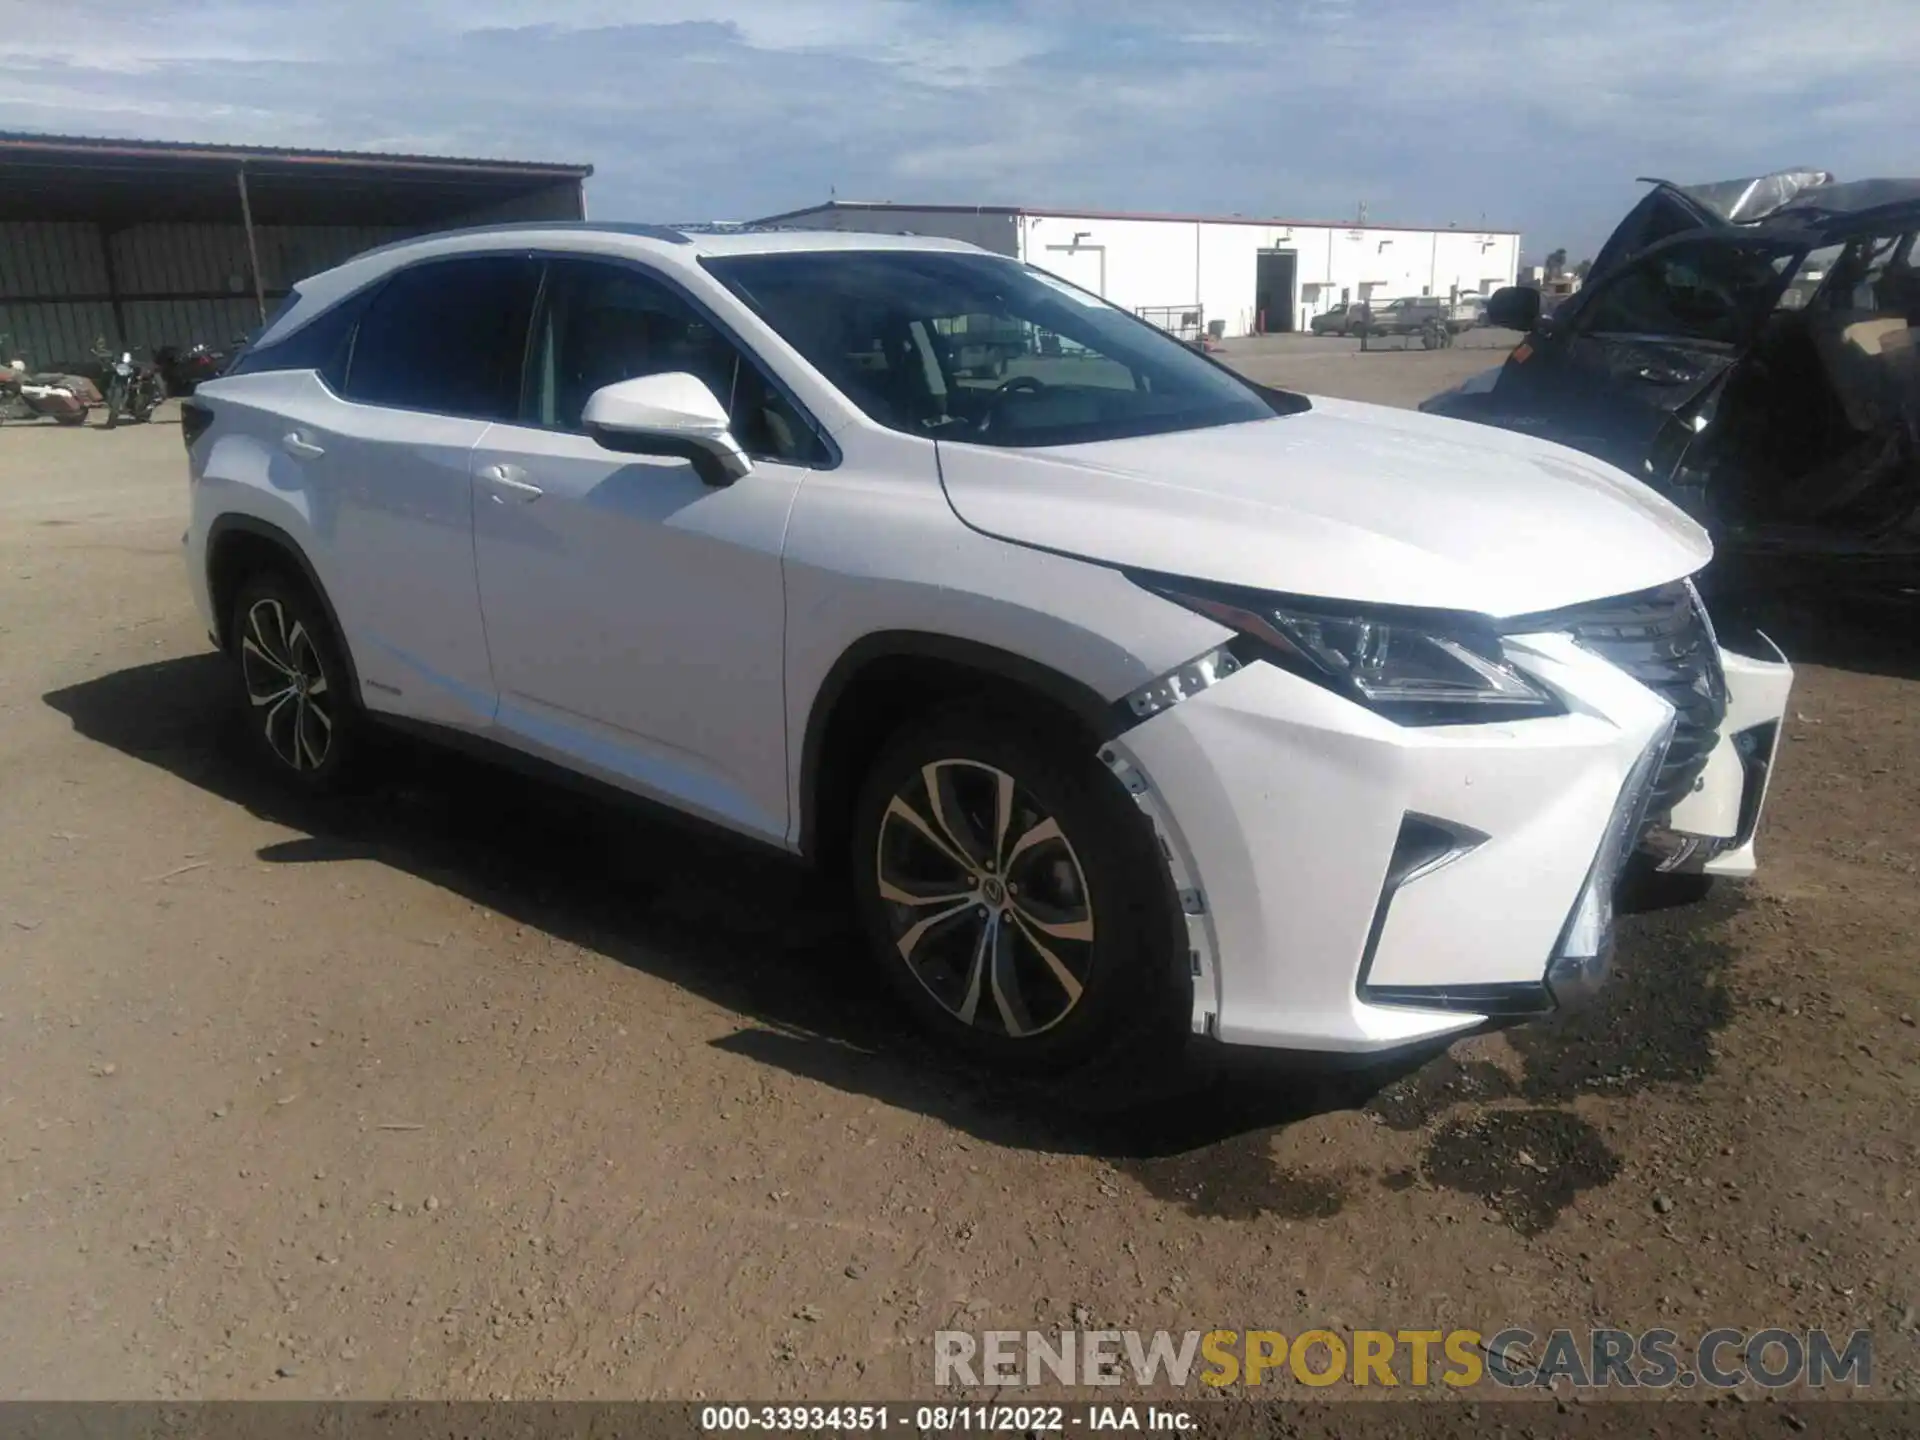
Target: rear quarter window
[323, 345]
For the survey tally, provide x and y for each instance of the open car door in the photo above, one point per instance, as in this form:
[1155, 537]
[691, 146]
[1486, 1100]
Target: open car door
[1648, 339]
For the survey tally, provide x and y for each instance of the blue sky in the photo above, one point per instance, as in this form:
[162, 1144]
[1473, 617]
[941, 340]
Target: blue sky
[1533, 114]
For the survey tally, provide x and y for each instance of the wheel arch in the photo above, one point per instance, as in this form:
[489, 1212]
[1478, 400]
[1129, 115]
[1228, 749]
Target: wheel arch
[239, 546]
[885, 679]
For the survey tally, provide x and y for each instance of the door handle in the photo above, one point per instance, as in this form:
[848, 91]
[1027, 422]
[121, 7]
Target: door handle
[300, 448]
[513, 480]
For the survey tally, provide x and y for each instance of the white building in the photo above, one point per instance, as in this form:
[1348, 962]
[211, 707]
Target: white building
[1243, 275]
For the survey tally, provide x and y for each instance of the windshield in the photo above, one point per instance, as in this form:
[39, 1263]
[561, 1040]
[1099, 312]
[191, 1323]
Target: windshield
[978, 348]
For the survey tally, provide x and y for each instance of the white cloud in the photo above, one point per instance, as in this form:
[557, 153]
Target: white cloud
[1536, 112]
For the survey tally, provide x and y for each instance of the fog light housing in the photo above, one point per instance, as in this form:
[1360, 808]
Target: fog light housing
[1584, 953]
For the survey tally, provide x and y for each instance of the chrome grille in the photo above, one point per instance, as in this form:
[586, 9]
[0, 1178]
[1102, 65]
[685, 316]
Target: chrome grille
[1662, 638]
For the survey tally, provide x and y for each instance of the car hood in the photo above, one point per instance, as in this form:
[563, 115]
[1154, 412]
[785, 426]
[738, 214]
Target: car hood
[1343, 501]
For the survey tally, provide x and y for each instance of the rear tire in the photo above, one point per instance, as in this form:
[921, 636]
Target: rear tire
[1013, 895]
[295, 694]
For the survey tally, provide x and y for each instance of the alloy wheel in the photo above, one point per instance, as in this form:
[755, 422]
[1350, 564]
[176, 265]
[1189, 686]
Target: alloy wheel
[987, 902]
[287, 685]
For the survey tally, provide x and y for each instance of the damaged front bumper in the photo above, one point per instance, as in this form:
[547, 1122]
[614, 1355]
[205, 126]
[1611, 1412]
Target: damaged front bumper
[1350, 885]
[1711, 830]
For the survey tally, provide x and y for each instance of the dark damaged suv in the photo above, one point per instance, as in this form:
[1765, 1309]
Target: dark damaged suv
[1748, 347]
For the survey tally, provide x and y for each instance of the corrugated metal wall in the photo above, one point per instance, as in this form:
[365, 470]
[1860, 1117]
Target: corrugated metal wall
[42, 261]
[176, 283]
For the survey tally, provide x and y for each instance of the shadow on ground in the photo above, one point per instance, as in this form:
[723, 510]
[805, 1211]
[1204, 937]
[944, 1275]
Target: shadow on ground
[753, 931]
[1517, 1141]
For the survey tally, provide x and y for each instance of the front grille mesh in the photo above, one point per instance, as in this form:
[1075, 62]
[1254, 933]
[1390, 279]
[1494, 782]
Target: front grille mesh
[1661, 638]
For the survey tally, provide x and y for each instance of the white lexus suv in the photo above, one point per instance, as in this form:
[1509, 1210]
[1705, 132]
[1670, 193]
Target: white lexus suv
[1133, 699]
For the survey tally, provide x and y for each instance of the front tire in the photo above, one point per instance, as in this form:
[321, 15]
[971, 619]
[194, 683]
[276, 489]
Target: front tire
[294, 689]
[1013, 896]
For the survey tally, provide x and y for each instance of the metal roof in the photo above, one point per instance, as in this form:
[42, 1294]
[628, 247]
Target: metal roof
[109, 145]
[121, 181]
[1068, 212]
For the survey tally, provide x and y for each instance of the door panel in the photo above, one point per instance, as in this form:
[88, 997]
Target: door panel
[435, 359]
[635, 614]
[636, 618]
[1611, 395]
[399, 523]
[384, 506]
[1607, 375]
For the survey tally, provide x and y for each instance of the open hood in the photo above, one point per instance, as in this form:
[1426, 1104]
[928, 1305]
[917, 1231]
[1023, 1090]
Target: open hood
[1345, 501]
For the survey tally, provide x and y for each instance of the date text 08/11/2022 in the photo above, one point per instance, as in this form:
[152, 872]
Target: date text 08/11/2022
[1014, 1419]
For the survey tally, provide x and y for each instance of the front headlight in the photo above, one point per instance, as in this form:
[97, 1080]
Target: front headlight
[1414, 667]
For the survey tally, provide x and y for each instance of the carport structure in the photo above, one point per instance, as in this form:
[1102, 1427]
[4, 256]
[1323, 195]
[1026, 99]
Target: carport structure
[148, 243]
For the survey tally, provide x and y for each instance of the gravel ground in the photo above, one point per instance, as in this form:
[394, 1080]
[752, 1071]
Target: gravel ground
[464, 1088]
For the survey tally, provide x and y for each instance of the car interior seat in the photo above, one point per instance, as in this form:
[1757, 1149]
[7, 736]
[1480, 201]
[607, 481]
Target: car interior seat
[1849, 343]
[1852, 337]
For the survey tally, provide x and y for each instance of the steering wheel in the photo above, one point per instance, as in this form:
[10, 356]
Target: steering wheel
[1018, 385]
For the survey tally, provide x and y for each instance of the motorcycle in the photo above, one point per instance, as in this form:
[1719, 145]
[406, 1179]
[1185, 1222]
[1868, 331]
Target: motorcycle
[61, 397]
[183, 368]
[134, 388]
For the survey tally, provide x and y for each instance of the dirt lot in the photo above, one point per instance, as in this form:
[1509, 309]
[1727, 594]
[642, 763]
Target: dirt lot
[467, 1089]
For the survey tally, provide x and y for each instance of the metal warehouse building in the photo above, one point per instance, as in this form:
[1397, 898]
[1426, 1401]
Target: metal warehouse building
[145, 243]
[1184, 271]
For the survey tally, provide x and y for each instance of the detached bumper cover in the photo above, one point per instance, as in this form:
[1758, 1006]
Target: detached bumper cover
[1712, 829]
[1283, 806]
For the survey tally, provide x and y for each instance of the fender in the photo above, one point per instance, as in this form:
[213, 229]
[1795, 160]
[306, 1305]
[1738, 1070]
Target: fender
[1103, 717]
[233, 523]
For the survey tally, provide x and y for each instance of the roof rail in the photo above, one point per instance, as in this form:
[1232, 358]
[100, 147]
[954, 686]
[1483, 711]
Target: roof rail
[670, 235]
[743, 227]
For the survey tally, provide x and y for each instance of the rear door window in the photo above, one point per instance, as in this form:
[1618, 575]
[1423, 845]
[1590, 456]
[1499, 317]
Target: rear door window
[447, 336]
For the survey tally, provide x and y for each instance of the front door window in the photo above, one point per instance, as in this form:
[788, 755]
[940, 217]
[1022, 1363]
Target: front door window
[604, 323]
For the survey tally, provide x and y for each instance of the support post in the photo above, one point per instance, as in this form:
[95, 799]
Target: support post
[120, 340]
[253, 248]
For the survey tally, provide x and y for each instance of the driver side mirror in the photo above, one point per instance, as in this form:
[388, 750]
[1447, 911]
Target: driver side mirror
[1514, 307]
[673, 414]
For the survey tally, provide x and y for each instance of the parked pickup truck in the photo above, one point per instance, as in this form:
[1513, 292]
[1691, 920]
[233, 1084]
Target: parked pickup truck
[1430, 319]
[1340, 320]
[1468, 312]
